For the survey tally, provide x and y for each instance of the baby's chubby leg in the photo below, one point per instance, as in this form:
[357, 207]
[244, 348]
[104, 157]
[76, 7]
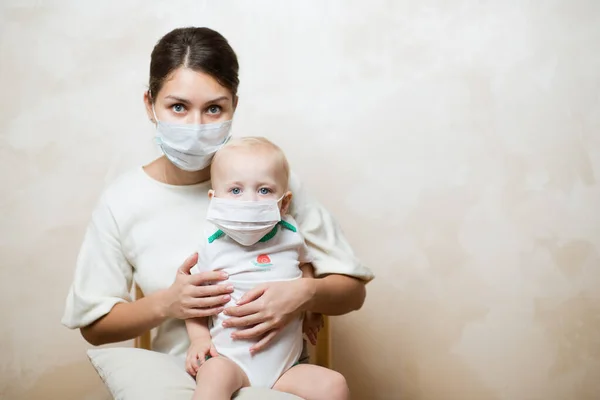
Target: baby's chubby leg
[218, 379]
[312, 382]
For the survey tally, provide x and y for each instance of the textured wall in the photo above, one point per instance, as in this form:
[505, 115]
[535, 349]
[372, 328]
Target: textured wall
[458, 142]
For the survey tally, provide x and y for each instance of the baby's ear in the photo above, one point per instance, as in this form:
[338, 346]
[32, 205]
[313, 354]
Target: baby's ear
[211, 194]
[285, 202]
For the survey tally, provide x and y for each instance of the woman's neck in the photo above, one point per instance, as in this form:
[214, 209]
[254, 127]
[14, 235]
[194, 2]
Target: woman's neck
[163, 171]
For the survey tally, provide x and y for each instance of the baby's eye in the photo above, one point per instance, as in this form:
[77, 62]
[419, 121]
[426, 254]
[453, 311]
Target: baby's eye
[235, 191]
[264, 190]
[178, 108]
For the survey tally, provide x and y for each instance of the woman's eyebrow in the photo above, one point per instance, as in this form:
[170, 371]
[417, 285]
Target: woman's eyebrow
[179, 99]
[187, 102]
[218, 99]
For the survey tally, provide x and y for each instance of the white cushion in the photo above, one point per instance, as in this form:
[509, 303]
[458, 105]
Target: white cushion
[135, 374]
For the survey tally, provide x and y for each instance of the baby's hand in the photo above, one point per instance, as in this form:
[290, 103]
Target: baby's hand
[196, 356]
[311, 326]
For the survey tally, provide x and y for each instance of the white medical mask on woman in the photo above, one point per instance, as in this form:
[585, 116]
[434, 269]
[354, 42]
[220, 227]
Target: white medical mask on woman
[191, 147]
[246, 222]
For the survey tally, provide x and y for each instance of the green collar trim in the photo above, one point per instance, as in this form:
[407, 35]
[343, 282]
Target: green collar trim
[269, 235]
[215, 236]
[286, 225]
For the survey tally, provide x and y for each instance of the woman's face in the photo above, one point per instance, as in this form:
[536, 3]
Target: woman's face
[191, 97]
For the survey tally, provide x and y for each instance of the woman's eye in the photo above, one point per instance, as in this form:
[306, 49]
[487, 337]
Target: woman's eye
[236, 191]
[178, 108]
[264, 191]
[214, 109]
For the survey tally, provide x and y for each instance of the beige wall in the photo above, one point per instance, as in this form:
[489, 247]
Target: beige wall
[458, 142]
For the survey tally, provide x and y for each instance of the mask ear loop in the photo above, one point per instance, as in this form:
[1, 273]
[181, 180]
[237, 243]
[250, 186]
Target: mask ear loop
[157, 138]
[281, 209]
[154, 112]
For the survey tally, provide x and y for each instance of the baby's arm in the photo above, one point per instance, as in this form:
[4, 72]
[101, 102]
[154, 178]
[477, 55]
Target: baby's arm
[313, 322]
[197, 328]
[200, 344]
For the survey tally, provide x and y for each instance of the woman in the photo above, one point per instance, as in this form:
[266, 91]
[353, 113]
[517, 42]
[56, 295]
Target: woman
[151, 218]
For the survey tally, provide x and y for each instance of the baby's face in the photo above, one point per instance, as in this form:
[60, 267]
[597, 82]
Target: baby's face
[248, 174]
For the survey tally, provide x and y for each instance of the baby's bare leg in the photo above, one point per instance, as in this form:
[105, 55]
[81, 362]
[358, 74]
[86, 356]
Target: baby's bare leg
[312, 382]
[218, 379]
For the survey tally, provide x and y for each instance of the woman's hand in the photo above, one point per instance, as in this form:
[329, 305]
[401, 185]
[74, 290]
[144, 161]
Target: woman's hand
[268, 308]
[187, 297]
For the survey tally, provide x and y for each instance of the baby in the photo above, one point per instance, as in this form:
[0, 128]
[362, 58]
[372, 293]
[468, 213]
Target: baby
[254, 241]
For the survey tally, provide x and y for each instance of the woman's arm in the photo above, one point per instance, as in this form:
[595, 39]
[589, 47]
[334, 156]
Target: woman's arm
[126, 320]
[186, 298]
[335, 295]
[330, 251]
[272, 305]
[99, 301]
[341, 288]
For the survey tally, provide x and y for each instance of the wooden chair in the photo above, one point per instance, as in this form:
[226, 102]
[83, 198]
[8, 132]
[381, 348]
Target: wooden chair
[319, 354]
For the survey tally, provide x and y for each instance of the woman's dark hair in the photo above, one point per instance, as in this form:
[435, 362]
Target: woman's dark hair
[200, 49]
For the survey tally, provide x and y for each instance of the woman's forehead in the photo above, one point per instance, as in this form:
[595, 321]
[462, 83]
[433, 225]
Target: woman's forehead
[193, 86]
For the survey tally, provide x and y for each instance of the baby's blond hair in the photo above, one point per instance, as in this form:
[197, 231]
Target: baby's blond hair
[256, 142]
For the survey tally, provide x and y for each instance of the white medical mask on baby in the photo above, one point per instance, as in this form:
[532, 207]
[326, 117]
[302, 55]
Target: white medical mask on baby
[191, 147]
[246, 222]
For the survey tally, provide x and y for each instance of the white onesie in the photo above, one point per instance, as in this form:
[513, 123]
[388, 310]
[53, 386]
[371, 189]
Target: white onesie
[276, 257]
